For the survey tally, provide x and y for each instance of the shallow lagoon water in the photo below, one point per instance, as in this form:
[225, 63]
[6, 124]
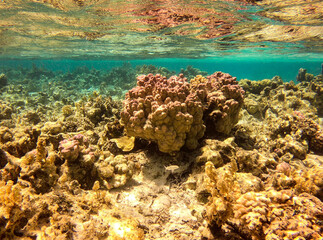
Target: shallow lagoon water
[91, 149]
[250, 68]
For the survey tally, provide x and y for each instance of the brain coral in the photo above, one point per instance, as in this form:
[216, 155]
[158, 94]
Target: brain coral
[164, 110]
[171, 111]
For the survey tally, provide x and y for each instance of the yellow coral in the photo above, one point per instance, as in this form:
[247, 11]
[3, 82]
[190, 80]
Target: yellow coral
[10, 197]
[224, 189]
[125, 143]
[197, 80]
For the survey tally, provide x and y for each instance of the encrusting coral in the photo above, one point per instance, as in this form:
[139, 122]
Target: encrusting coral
[171, 111]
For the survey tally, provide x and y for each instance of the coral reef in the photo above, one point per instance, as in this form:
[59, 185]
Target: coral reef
[240, 208]
[19, 141]
[123, 77]
[68, 169]
[62, 215]
[170, 111]
[146, 69]
[303, 76]
[302, 134]
[163, 110]
[116, 171]
[290, 113]
[5, 110]
[223, 99]
[278, 215]
[256, 87]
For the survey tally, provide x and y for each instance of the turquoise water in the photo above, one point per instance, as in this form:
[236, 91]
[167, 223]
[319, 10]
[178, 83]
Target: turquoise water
[253, 69]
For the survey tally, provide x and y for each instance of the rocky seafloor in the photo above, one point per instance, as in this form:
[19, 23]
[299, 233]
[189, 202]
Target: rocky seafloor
[203, 158]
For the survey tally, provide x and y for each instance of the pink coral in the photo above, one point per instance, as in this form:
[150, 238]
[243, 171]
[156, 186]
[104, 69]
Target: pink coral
[284, 168]
[70, 148]
[223, 101]
[170, 111]
[164, 110]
